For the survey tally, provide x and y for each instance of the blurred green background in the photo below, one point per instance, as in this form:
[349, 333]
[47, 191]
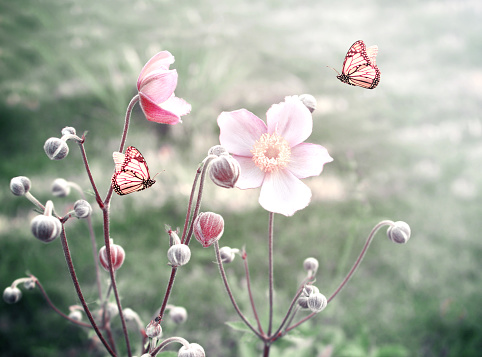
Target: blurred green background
[409, 150]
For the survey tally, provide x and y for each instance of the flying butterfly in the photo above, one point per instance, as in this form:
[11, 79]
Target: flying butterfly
[131, 172]
[360, 67]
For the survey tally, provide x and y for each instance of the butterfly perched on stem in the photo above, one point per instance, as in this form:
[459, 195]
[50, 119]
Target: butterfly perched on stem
[360, 67]
[131, 172]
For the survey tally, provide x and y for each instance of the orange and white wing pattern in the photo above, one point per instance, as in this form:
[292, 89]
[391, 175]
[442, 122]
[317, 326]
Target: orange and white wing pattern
[132, 174]
[359, 67]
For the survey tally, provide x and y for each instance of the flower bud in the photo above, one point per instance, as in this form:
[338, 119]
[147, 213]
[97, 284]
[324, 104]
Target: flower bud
[208, 228]
[317, 302]
[227, 254]
[311, 265]
[112, 310]
[82, 209]
[153, 329]
[75, 315]
[224, 171]
[68, 130]
[117, 256]
[399, 232]
[307, 291]
[60, 187]
[56, 149]
[178, 255]
[20, 185]
[178, 314]
[192, 350]
[218, 150]
[309, 101]
[12, 295]
[29, 284]
[130, 315]
[46, 228]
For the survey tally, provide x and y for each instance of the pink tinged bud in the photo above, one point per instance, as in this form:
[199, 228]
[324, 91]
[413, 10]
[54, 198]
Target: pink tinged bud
[191, 350]
[56, 149]
[208, 228]
[317, 302]
[224, 171]
[117, 256]
[12, 295]
[20, 185]
[178, 314]
[178, 255]
[82, 209]
[153, 329]
[399, 233]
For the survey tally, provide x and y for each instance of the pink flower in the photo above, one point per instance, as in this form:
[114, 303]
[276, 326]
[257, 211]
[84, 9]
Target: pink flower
[274, 156]
[156, 85]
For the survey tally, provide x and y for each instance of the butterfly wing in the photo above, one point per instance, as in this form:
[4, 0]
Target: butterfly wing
[359, 67]
[132, 174]
[119, 159]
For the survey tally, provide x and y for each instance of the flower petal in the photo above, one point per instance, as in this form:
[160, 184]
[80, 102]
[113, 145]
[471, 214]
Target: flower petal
[162, 60]
[251, 176]
[308, 160]
[155, 113]
[284, 193]
[239, 131]
[291, 119]
[160, 86]
[176, 105]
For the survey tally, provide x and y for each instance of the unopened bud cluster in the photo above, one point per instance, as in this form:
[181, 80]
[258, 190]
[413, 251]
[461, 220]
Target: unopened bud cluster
[312, 299]
[57, 149]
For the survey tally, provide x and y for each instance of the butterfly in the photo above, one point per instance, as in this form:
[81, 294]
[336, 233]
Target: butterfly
[131, 172]
[360, 68]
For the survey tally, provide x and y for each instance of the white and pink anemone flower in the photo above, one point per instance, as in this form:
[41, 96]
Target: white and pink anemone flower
[274, 156]
[156, 85]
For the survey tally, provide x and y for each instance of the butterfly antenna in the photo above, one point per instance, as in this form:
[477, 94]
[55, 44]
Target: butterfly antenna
[157, 174]
[334, 70]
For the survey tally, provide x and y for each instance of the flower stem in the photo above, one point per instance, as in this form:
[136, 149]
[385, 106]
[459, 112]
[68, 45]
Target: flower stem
[230, 294]
[360, 257]
[105, 212]
[70, 265]
[270, 271]
[50, 303]
[248, 284]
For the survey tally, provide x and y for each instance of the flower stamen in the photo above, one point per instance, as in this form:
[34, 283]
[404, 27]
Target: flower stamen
[271, 152]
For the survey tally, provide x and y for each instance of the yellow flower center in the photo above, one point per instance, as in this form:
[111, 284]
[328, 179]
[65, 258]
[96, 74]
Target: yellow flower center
[271, 152]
